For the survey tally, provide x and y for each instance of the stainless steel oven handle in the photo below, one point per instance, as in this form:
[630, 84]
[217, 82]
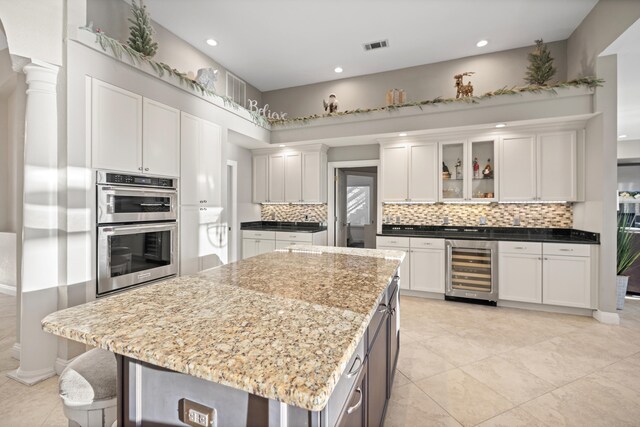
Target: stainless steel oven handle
[127, 229]
[153, 204]
[112, 189]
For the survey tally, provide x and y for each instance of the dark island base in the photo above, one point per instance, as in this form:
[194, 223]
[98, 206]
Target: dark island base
[149, 395]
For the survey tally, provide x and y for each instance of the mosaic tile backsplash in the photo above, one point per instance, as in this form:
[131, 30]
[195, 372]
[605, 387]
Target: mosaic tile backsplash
[294, 213]
[541, 215]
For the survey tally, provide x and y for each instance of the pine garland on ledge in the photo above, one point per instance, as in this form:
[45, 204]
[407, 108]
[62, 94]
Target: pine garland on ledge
[589, 82]
[120, 50]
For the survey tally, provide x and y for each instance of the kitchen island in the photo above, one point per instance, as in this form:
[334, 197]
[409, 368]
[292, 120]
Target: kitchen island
[302, 336]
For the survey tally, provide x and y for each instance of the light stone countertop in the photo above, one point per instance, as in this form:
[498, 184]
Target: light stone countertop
[281, 325]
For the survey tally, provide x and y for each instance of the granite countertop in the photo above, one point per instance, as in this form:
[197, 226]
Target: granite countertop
[521, 234]
[281, 325]
[298, 227]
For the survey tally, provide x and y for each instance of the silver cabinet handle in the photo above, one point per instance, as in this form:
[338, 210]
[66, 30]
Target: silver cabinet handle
[566, 250]
[383, 308]
[519, 247]
[146, 169]
[353, 373]
[357, 405]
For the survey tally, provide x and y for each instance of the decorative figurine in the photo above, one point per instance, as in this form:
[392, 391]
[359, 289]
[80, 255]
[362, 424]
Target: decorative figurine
[445, 171]
[332, 105]
[476, 168]
[463, 90]
[207, 77]
[487, 172]
[396, 97]
[458, 169]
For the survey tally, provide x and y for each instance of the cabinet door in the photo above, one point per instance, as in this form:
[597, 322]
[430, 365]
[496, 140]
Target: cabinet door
[520, 277]
[394, 337]
[265, 246]
[249, 248]
[189, 159]
[404, 272]
[210, 164]
[293, 177]
[202, 239]
[116, 128]
[276, 178]
[311, 177]
[557, 166]
[518, 169]
[423, 172]
[453, 186]
[427, 270]
[566, 281]
[354, 413]
[394, 174]
[160, 139]
[378, 369]
[260, 179]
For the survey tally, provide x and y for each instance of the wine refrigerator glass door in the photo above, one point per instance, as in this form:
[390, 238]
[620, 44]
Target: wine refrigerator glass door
[472, 270]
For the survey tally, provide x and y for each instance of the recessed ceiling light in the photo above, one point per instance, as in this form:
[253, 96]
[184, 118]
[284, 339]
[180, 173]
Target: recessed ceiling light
[338, 69]
[402, 134]
[212, 42]
[622, 136]
[501, 125]
[482, 43]
[281, 145]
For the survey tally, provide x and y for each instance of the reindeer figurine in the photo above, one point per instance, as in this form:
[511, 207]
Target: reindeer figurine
[463, 89]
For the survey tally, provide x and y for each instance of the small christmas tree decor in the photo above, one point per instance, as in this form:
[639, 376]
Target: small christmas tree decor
[141, 32]
[540, 69]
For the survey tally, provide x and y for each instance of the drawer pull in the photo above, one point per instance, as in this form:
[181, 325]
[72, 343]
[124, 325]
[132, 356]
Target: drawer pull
[382, 308]
[353, 373]
[566, 250]
[293, 236]
[357, 405]
[393, 241]
[519, 247]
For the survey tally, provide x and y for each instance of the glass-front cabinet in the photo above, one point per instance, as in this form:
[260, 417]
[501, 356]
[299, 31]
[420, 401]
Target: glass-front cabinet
[468, 170]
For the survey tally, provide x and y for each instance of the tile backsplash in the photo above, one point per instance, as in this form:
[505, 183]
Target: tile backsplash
[541, 215]
[294, 213]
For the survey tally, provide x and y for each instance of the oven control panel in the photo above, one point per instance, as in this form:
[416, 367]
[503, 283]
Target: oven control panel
[146, 181]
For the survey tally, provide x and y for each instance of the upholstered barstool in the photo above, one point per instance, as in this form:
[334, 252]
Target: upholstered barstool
[88, 389]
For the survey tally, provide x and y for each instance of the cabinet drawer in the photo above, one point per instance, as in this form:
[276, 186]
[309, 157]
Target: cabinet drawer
[566, 249]
[395, 242]
[425, 243]
[259, 235]
[530, 248]
[341, 393]
[294, 237]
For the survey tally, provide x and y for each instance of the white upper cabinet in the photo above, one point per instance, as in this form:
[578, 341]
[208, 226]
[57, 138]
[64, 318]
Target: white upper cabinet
[423, 181]
[290, 175]
[201, 157]
[160, 139]
[116, 128]
[293, 177]
[557, 166]
[394, 173]
[276, 177]
[542, 167]
[518, 169]
[260, 179]
[468, 170]
[130, 133]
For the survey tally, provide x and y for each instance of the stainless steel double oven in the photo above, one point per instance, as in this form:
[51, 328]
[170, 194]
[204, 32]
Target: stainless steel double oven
[137, 230]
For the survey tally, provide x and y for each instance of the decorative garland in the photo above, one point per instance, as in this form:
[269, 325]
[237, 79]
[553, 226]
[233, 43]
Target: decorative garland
[120, 49]
[590, 82]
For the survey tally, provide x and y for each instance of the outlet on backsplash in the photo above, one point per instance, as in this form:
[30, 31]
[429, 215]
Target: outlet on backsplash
[541, 215]
[294, 212]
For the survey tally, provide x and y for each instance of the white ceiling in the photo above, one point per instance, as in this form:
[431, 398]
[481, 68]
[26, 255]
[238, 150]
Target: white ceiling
[284, 43]
[627, 47]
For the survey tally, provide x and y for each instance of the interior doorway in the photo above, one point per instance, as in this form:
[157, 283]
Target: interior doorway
[355, 206]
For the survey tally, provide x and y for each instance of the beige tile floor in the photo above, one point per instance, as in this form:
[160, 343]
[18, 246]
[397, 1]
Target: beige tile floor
[459, 364]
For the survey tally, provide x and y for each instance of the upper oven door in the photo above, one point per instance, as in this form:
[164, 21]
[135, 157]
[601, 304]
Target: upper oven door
[135, 204]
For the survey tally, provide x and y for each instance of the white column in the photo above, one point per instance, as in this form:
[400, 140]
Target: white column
[39, 272]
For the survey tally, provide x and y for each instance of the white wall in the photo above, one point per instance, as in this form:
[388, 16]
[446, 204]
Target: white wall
[8, 263]
[353, 152]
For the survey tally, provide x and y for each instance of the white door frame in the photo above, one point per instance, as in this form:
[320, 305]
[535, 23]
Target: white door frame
[233, 218]
[331, 191]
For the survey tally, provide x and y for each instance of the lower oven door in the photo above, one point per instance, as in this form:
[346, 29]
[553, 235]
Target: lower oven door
[133, 254]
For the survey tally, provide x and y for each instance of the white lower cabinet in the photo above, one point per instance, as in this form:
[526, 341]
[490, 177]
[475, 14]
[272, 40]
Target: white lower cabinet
[202, 239]
[427, 270]
[253, 247]
[398, 244]
[258, 242]
[546, 273]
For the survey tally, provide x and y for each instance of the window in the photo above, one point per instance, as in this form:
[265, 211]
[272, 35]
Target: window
[236, 89]
[358, 205]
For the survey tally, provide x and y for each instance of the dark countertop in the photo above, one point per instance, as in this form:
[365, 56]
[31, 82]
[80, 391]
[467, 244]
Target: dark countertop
[298, 227]
[520, 234]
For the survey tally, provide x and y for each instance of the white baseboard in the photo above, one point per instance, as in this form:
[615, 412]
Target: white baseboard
[32, 377]
[61, 364]
[15, 351]
[607, 317]
[548, 308]
[7, 290]
[421, 294]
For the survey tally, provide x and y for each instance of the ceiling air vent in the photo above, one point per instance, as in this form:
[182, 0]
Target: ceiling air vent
[376, 45]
